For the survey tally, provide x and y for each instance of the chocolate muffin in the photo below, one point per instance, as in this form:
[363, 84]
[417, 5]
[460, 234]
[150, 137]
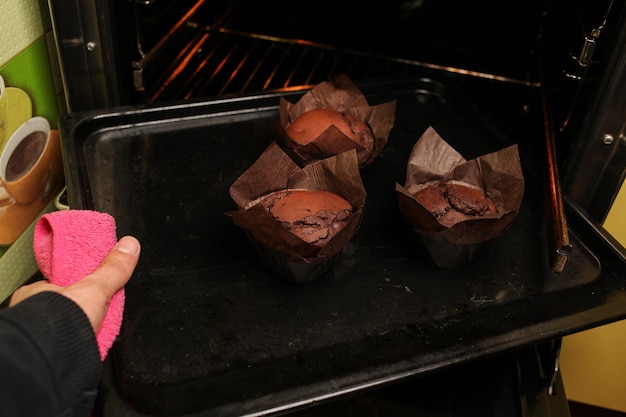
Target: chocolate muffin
[299, 218]
[314, 216]
[311, 124]
[452, 203]
[332, 118]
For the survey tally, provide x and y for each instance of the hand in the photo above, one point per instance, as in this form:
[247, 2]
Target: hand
[93, 293]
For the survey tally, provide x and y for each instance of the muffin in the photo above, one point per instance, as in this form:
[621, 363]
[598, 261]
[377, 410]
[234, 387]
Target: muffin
[334, 117]
[311, 124]
[454, 202]
[456, 206]
[298, 219]
[315, 216]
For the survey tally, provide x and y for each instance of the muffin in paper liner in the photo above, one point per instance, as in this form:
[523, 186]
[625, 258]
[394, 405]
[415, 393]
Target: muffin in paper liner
[498, 175]
[282, 251]
[339, 93]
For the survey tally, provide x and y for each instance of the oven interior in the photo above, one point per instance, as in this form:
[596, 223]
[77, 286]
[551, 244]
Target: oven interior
[157, 51]
[239, 48]
[213, 49]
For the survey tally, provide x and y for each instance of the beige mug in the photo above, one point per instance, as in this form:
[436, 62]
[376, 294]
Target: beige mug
[28, 161]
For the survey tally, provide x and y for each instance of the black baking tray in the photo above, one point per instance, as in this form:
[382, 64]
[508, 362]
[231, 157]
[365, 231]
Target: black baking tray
[208, 330]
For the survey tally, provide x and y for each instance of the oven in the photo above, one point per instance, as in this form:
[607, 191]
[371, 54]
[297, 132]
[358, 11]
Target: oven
[167, 102]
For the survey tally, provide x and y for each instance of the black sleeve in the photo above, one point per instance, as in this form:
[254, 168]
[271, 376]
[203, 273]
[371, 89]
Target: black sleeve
[49, 360]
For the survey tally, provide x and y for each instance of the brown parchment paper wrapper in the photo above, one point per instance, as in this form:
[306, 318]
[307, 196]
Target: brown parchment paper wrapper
[498, 174]
[284, 252]
[341, 94]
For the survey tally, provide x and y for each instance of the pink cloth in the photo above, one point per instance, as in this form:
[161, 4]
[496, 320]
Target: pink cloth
[70, 244]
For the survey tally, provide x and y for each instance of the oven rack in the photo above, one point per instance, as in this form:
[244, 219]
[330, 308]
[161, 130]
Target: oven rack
[214, 60]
